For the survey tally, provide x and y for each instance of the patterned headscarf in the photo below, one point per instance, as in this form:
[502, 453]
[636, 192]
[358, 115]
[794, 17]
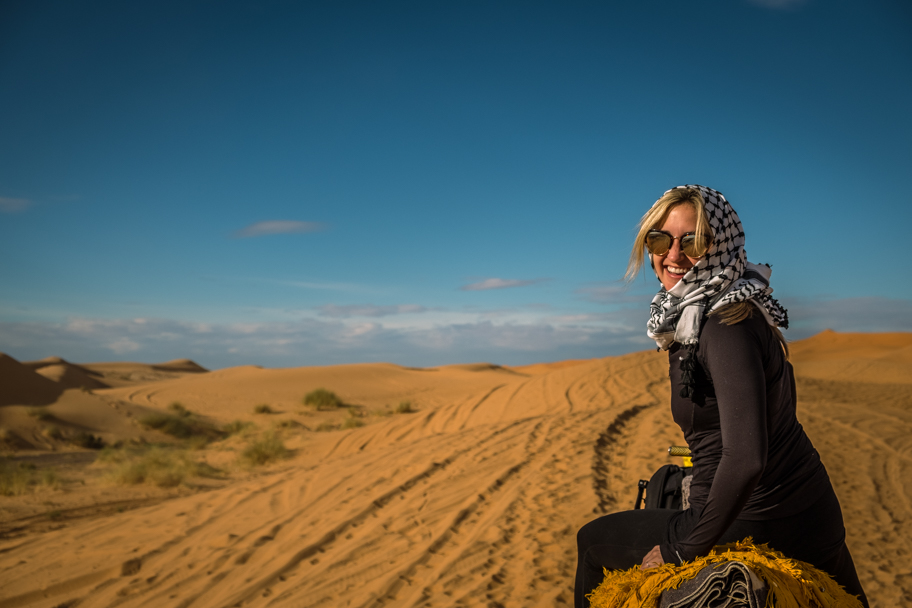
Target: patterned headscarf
[723, 276]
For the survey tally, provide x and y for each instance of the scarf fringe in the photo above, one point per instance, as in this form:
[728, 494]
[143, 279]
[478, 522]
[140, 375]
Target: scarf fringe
[792, 583]
[688, 367]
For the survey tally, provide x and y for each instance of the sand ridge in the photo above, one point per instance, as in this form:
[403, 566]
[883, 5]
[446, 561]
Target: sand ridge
[474, 499]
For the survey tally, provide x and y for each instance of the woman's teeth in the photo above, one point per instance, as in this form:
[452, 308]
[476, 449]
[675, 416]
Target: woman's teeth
[676, 270]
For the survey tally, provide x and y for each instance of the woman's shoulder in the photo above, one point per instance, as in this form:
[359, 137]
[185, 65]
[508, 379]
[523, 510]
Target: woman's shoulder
[752, 331]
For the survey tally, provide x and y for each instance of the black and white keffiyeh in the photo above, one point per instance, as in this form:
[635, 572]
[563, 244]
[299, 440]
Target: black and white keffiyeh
[723, 276]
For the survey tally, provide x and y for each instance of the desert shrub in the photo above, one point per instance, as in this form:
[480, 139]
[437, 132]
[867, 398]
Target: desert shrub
[87, 440]
[49, 478]
[39, 413]
[13, 479]
[17, 478]
[197, 442]
[158, 466]
[322, 399]
[237, 426]
[288, 424]
[263, 408]
[351, 423]
[179, 409]
[326, 426]
[266, 449]
[404, 407]
[52, 432]
[180, 426]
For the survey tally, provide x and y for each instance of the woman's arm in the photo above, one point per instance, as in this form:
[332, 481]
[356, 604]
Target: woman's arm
[732, 356]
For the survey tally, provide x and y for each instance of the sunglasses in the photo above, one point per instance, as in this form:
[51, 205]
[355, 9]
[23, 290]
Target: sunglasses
[658, 242]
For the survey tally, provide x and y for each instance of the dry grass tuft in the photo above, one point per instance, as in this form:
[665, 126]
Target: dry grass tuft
[19, 478]
[352, 423]
[87, 440]
[179, 409]
[269, 448]
[39, 413]
[237, 426]
[263, 408]
[289, 424]
[158, 466]
[53, 432]
[183, 425]
[322, 399]
[405, 407]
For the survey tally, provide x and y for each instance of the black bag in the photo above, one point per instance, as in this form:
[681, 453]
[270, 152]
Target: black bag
[663, 490]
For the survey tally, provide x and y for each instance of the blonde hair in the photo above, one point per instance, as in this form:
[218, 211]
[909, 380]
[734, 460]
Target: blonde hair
[656, 217]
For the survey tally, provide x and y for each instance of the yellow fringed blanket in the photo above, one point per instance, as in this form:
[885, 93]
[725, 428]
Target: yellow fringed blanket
[792, 584]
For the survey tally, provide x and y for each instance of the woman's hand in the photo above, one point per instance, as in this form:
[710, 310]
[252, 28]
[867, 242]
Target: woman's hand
[653, 559]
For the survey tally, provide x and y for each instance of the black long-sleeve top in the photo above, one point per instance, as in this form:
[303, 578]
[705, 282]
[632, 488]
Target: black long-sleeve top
[751, 457]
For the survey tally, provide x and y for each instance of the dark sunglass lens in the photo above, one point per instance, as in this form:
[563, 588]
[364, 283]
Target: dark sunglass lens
[658, 243]
[693, 247]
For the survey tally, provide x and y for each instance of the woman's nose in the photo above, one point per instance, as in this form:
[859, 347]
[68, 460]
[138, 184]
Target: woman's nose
[675, 253]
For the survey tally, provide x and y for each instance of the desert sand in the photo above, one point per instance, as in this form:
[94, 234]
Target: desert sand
[473, 499]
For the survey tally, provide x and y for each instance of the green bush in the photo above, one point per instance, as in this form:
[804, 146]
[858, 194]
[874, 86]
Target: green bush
[268, 448]
[405, 407]
[322, 399]
[263, 408]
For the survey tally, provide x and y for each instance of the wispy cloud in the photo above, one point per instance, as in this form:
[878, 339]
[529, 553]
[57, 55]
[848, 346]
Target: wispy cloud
[321, 341]
[779, 5]
[499, 284]
[323, 286]
[612, 294]
[369, 310]
[14, 205]
[278, 227]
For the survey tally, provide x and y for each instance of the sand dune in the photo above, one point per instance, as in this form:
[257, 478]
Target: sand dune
[71, 376]
[21, 385]
[473, 500]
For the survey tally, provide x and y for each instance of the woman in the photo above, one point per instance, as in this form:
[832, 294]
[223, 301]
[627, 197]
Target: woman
[755, 472]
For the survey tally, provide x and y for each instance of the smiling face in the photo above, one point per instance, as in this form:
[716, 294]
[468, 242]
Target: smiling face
[672, 266]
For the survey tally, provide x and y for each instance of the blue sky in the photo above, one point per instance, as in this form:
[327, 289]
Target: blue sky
[302, 183]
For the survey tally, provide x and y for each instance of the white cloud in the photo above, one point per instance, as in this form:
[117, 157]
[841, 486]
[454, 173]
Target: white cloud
[122, 346]
[278, 227]
[494, 283]
[315, 341]
[14, 205]
[433, 337]
[369, 310]
[778, 5]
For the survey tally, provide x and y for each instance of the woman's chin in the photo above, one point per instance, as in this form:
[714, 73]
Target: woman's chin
[668, 281]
